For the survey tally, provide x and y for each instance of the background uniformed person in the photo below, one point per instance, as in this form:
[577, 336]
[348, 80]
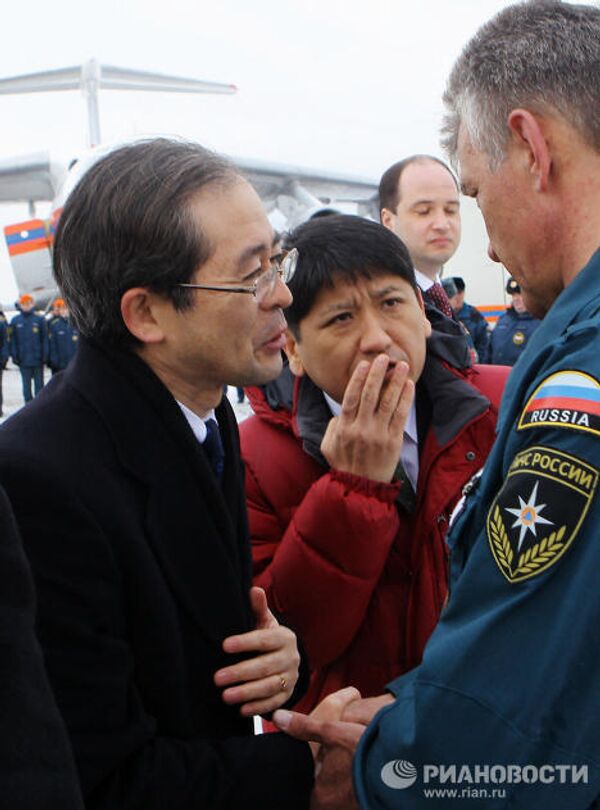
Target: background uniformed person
[451, 290]
[470, 317]
[55, 311]
[29, 345]
[512, 331]
[62, 338]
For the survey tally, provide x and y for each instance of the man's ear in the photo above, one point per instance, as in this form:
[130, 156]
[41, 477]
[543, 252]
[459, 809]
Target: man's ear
[387, 218]
[427, 322]
[291, 349]
[527, 134]
[138, 309]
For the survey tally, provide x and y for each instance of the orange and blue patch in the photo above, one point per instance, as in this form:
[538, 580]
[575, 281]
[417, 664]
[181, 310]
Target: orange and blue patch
[491, 312]
[568, 399]
[26, 237]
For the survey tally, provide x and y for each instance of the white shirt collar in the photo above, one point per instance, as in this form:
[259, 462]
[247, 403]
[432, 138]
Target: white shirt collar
[196, 422]
[424, 281]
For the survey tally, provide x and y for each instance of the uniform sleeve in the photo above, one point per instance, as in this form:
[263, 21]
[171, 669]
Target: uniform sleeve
[51, 358]
[3, 342]
[509, 686]
[123, 762]
[45, 345]
[321, 558]
[489, 352]
[481, 337]
[6, 344]
[13, 343]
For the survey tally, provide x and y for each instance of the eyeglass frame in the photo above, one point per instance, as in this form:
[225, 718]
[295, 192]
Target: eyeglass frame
[285, 269]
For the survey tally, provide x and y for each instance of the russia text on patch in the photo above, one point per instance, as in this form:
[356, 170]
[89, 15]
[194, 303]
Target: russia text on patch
[568, 399]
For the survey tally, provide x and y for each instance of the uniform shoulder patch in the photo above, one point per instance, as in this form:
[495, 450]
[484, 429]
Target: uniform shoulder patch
[566, 399]
[539, 510]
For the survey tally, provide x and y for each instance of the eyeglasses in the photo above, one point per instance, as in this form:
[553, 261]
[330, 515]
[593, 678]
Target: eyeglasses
[263, 286]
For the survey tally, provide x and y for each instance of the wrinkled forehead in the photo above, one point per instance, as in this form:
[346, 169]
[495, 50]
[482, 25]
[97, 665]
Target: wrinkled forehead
[233, 219]
[368, 283]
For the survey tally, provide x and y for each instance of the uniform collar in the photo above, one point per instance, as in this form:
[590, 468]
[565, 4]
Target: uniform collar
[570, 306]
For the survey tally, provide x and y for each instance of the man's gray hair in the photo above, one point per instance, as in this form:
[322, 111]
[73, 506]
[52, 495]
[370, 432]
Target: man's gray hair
[543, 55]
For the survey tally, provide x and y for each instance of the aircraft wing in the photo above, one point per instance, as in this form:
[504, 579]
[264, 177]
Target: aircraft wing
[298, 192]
[294, 192]
[28, 178]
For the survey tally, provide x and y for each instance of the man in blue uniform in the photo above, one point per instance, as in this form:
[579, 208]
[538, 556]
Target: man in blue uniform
[505, 706]
[513, 330]
[470, 317]
[29, 345]
[62, 338]
[452, 292]
[54, 312]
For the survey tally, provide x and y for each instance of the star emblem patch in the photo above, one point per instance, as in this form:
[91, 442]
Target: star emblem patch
[537, 514]
[528, 515]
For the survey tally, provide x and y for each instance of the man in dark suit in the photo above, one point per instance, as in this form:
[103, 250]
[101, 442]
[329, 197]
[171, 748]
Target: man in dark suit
[37, 771]
[127, 485]
[419, 202]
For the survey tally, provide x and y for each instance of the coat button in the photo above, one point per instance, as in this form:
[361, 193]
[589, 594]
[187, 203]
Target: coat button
[470, 456]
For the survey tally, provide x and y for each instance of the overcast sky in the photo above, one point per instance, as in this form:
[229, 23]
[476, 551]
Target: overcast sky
[344, 85]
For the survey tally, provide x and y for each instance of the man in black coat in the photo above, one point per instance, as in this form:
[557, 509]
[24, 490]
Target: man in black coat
[127, 485]
[37, 771]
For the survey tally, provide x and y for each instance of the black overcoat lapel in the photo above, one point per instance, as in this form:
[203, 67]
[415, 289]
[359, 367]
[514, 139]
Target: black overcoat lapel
[195, 527]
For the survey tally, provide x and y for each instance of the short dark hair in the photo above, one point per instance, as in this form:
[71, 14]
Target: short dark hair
[343, 246]
[389, 185]
[459, 283]
[127, 223]
[324, 212]
[450, 288]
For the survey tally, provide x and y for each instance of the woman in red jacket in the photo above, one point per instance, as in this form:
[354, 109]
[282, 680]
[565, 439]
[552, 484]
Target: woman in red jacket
[350, 479]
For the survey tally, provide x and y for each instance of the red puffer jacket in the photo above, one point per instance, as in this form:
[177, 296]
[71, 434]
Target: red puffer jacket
[361, 579]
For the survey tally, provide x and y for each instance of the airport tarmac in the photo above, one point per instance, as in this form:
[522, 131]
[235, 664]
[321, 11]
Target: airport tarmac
[13, 396]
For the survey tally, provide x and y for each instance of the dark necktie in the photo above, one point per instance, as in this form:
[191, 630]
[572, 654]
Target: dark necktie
[213, 447]
[437, 295]
[407, 498]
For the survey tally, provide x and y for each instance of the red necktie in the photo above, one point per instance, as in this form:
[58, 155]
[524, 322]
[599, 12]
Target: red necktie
[437, 296]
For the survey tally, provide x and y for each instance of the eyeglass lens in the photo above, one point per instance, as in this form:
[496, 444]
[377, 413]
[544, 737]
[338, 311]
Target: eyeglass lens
[265, 284]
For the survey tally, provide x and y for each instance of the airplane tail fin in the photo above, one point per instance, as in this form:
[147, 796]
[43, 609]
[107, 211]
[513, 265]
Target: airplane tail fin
[29, 248]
